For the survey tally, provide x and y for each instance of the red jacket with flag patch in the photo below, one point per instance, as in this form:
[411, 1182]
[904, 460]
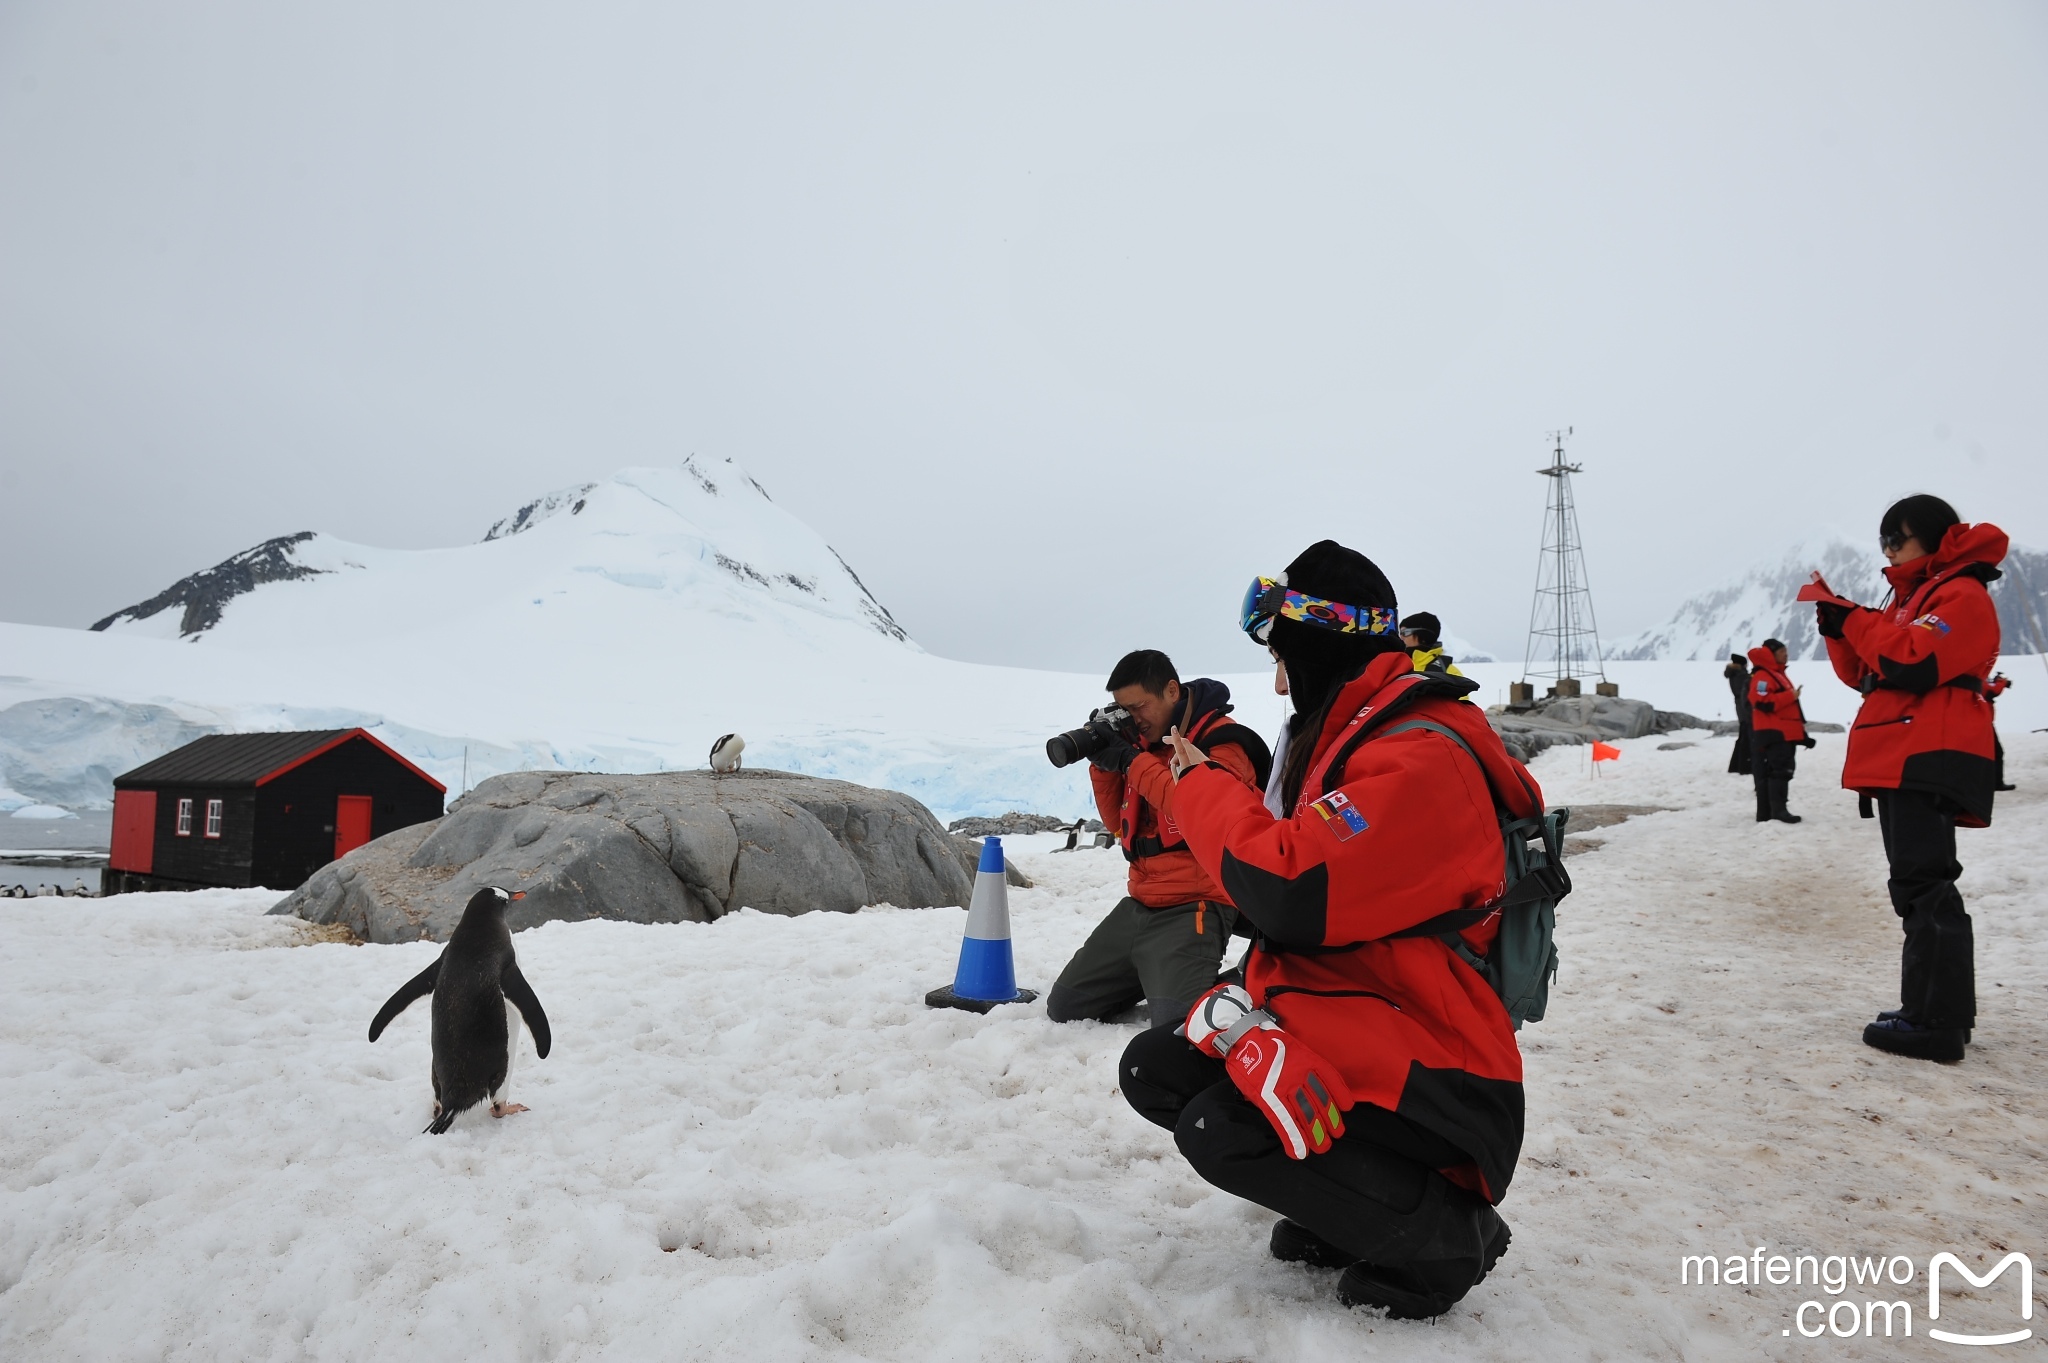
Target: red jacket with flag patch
[1921, 662]
[1389, 833]
[1773, 702]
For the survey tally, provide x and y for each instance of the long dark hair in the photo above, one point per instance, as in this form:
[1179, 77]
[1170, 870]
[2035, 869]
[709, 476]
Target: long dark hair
[1302, 732]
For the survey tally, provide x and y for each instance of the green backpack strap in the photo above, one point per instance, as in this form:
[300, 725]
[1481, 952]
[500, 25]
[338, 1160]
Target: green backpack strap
[1523, 960]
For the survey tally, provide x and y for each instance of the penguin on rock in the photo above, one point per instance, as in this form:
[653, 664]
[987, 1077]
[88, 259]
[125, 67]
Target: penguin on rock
[480, 999]
[725, 753]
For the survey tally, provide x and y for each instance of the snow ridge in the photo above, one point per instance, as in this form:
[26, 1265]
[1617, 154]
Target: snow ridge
[538, 510]
[1763, 603]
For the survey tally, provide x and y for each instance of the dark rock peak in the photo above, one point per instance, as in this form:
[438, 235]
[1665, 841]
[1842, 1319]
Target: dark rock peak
[204, 595]
[878, 614]
[538, 510]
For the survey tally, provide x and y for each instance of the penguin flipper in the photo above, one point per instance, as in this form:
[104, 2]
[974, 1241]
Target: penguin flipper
[418, 987]
[520, 994]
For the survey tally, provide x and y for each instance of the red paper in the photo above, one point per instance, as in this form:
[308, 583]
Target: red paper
[1819, 590]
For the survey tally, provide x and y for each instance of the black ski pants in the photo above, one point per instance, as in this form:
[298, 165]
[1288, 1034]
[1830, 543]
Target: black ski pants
[1738, 761]
[1937, 969]
[1375, 1193]
[1772, 758]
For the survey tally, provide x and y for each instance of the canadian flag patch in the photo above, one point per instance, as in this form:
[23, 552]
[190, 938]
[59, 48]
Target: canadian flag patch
[1340, 816]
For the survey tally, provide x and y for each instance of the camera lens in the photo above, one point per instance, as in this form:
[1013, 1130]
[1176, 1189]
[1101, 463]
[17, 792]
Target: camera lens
[1065, 749]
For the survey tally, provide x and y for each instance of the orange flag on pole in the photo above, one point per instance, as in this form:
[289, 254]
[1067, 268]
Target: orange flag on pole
[1605, 752]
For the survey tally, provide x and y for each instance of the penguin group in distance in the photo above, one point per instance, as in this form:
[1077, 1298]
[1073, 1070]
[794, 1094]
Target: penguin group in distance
[480, 1000]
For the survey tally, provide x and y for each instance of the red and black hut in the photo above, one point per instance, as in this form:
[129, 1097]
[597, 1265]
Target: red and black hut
[260, 809]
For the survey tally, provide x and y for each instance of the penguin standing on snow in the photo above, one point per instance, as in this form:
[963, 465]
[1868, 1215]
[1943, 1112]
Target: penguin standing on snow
[480, 999]
[725, 753]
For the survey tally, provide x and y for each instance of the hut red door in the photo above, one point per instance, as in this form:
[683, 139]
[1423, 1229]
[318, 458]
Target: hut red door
[351, 823]
[134, 843]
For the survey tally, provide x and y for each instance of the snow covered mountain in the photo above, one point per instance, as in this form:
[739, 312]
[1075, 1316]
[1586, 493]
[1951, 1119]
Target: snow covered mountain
[683, 542]
[1762, 603]
[615, 626]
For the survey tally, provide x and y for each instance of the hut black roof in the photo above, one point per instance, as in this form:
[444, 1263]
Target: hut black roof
[247, 759]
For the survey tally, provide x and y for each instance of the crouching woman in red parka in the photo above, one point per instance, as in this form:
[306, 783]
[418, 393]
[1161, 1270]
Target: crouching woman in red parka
[1922, 749]
[1361, 1080]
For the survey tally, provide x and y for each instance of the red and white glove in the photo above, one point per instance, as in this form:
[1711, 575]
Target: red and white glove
[1302, 1094]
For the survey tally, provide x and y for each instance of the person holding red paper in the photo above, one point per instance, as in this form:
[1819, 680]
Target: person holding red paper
[1922, 749]
[1355, 1075]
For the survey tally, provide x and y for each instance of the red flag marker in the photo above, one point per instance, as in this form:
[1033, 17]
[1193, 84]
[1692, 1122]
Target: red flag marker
[1605, 752]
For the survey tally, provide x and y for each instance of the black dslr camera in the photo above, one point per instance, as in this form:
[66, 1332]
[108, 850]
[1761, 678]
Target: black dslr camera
[1106, 726]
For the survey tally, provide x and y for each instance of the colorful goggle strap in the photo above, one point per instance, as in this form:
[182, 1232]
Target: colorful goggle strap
[1269, 599]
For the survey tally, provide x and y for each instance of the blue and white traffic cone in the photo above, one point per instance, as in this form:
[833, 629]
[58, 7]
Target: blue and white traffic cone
[987, 974]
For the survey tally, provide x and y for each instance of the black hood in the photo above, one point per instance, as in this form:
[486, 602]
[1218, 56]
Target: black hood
[1200, 697]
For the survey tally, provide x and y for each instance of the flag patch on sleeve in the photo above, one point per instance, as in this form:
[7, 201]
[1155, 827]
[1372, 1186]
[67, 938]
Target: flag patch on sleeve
[1340, 816]
[1934, 622]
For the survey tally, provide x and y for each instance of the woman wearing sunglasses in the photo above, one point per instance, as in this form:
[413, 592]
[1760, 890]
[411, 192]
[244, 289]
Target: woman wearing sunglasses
[1922, 749]
[1361, 1080]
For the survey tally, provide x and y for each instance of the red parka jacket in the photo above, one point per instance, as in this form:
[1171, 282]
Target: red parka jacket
[1388, 834]
[1138, 806]
[1920, 662]
[1773, 704]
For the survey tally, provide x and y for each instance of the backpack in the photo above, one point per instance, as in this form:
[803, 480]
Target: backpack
[1523, 958]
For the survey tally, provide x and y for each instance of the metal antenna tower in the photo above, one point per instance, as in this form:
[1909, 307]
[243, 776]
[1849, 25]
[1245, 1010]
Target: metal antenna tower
[1564, 639]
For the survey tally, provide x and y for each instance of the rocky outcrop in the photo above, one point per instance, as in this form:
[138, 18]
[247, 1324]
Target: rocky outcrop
[1007, 825]
[1572, 719]
[675, 847]
[204, 595]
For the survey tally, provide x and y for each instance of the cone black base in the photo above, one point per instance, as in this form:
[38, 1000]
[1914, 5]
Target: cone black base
[944, 997]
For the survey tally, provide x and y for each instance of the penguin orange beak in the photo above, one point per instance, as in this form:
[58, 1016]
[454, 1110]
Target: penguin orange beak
[519, 894]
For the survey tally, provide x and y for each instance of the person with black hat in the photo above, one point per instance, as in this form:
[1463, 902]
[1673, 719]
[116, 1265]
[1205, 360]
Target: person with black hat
[1422, 635]
[1922, 749]
[1358, 1077]
[1737, 673]
[1777, 730]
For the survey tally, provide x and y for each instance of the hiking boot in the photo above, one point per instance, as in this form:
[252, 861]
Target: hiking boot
[1891, 1013]
[1779, 791]
[1294, 1243]
[1900, 1037]
[1424, 1290]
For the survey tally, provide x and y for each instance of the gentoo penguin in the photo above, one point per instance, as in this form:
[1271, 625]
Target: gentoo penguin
[479, 999]
[725, 753]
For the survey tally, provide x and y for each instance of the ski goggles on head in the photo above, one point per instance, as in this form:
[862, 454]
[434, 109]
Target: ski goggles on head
[1268, 599]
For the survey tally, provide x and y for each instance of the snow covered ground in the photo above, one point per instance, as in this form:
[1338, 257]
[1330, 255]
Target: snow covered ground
[752, 1140]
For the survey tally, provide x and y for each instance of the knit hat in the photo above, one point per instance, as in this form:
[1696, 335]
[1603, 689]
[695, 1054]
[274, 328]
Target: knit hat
[1427, 629]
[1321, 660]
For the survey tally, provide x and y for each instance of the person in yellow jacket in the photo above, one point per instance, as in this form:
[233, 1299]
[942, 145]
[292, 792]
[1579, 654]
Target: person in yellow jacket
[1423, 634]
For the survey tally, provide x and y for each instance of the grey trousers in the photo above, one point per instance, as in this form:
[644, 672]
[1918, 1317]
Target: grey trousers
[1167, 957]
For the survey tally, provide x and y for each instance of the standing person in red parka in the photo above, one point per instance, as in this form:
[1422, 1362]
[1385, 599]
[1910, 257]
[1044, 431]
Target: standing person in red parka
[1777, 730]
[1922, 748]
[1376, 847]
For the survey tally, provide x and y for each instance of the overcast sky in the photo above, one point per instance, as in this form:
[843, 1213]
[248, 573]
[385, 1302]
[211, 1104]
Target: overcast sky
[1058, 321]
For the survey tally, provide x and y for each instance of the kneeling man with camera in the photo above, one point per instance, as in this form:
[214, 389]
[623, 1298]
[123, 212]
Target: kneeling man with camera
[1163, 942]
